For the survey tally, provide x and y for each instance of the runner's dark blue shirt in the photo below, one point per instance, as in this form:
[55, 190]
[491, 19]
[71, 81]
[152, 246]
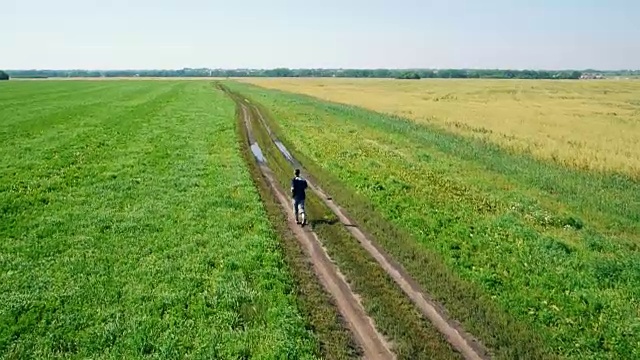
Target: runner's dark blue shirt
[298, 186]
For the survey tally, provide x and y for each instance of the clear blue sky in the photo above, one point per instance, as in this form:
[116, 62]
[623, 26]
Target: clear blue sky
[145, 34]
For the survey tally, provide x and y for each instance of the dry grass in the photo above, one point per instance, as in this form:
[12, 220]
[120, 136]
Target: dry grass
[591, 125]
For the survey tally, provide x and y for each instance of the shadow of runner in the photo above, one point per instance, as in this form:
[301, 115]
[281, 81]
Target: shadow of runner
[329, 222]
[323, 222]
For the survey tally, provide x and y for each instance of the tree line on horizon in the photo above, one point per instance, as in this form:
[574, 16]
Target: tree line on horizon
[346, 73]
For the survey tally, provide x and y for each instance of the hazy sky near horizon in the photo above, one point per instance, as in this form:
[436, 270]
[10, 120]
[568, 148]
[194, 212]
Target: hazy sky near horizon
[153, 34]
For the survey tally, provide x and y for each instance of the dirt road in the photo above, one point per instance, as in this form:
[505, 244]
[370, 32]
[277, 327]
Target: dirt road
[372, 342]
[462, 341]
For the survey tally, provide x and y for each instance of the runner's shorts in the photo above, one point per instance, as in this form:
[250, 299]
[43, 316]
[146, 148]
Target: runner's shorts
[298, 206]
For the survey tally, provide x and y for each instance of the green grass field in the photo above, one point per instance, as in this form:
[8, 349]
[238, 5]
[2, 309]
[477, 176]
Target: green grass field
[532, 257]
[130, 227]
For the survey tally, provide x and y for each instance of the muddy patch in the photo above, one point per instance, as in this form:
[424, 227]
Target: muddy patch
[257, 153]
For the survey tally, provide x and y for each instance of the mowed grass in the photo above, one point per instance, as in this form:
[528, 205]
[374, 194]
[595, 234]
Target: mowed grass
[591, 125]
[130, 228]
[512, 246]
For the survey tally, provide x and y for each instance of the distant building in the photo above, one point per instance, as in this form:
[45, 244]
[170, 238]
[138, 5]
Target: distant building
[591, 76]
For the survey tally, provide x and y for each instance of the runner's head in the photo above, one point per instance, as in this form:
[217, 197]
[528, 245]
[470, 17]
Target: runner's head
[297, 172]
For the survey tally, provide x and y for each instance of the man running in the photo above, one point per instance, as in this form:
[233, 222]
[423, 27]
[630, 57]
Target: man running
[298, 187]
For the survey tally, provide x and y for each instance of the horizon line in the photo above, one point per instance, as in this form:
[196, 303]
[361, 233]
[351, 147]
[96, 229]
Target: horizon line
[317, 68]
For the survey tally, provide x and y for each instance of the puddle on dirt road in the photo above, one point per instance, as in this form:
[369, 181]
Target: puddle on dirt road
[284, 150]
[257, 152]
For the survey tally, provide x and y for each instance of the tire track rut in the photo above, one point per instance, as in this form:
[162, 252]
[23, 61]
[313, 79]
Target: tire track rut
[373, 344]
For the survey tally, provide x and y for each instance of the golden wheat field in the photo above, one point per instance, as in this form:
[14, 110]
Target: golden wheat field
[591, 125]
